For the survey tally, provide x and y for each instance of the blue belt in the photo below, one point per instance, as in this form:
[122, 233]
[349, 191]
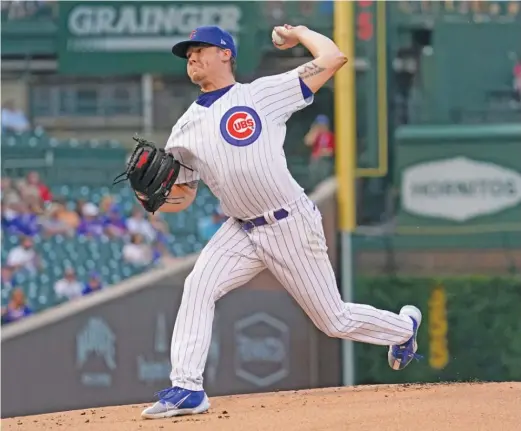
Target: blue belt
[248, 225]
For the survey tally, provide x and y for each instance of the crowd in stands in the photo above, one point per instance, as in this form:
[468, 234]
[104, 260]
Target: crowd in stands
[29, 208]
[32, 213]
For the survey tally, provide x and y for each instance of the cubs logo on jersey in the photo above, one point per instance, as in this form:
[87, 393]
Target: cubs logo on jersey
[241, 126]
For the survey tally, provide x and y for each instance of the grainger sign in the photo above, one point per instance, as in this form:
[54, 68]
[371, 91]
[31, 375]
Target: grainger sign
[137, 37]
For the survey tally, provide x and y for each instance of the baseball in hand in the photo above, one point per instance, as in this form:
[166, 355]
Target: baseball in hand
[276, 38]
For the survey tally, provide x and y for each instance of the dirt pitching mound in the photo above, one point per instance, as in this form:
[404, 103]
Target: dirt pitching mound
[438, 407]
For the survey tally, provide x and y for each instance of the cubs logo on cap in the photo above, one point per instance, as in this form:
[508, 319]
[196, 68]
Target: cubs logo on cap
[241, 126]
[192, 34]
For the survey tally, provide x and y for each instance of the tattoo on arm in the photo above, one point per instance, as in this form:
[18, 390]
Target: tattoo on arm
[309, 69]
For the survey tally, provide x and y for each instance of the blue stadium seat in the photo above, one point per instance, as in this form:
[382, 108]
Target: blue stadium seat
[54, 142]
[32, 290]
[114, 278]
[105, 272]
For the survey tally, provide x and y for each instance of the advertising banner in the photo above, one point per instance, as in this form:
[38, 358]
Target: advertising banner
[137, 37]
[119, 352]
[459, 189]
[459, 176]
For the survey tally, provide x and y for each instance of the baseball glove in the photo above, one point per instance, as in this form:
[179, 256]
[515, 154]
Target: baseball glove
[151, 173]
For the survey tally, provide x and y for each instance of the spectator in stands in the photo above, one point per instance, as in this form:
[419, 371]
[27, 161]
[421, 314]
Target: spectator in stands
[208, 226]
[22, 220]
[9, 193]
[78, 208]
[68, 287]
[9, 213]
[106, 204]
[136, 252]
[93, 284]
[70, 218]
[517, 80]
[24, 256]
[115, 226]
[52, 224]
[322, 142]
[17, 308]
[36, 208]
[13, 120]
[91, 224]
[31, 201]
[137, 223]
[33, 189]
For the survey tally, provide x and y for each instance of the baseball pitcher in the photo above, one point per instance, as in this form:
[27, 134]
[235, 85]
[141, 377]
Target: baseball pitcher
[232, 138]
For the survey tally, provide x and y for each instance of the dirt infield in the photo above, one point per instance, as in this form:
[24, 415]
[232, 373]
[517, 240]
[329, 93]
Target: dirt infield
[439, 407]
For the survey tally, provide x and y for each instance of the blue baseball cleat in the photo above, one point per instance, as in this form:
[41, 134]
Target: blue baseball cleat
[399, 356]
[176, 402]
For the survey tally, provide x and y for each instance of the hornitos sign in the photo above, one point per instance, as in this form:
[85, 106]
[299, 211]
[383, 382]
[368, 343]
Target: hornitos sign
[459, 189]
[142, 26]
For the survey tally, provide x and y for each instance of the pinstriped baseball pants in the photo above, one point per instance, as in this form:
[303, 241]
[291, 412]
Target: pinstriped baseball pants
[294, 250]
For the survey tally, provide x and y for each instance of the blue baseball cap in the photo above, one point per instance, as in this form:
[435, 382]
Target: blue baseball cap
[212, 35]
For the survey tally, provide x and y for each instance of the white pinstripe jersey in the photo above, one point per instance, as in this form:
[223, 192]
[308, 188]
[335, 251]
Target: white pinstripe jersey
[233, 140]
